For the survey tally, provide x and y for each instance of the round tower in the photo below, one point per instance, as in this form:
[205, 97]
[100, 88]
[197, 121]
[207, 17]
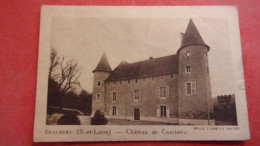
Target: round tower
[101, 73]
[194, 91]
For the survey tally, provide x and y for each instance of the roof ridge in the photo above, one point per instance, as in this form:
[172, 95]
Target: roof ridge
[153, 59]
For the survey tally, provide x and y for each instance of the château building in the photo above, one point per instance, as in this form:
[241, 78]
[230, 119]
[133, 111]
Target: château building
[172, 89]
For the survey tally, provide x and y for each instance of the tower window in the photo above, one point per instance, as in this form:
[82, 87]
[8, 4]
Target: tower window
[128, 81]
[188, 53]
[98, 97]
[99, 83]
[114, 83]
[191, 88]
[187, 69]
[114, 96]
[136, 80]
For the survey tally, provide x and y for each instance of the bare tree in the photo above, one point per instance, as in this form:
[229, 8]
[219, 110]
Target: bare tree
[70, 73]
[62, 76]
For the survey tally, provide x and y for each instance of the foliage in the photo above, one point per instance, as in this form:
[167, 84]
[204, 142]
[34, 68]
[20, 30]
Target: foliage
[69, 119]
[99, 119]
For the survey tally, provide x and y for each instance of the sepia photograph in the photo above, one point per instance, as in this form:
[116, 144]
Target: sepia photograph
[103, 68]
[164, 81]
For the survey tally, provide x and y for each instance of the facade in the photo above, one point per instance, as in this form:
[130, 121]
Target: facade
[172, 89]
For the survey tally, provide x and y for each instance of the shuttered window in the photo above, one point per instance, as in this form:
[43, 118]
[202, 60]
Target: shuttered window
[191, 88]
[162, 92]
[163, 111]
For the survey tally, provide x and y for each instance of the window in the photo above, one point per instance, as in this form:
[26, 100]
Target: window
[128, 81]
[188, 53]
[136, 80]
[120, 81]
[152, 77]
[187, 69]
[114, 110]
[162, 91]
[191, 88]
[114, 96]
[98, 83]
[98, 97]
[163, 110]
[171, 75]
[206, 54]
[137, 95]
[114, 83]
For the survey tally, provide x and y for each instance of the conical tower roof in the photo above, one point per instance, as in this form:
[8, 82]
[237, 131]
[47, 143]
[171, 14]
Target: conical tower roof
[103, 64]
[192, 36]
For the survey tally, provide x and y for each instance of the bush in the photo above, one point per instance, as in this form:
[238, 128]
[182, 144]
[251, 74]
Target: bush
[69, 119]
[98, 119]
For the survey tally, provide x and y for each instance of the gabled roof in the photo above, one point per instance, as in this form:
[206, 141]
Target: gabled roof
[192, 36]
[153, 66]
[103, 65]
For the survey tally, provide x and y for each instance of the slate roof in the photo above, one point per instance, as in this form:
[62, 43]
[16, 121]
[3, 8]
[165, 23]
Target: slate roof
[192, 36]
[103, 65]
[154, 66]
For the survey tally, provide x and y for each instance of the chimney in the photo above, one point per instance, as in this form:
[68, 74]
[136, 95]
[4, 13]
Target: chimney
[181, 35]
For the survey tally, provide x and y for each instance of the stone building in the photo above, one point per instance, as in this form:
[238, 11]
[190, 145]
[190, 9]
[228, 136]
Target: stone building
[173, 89]
[225, 110]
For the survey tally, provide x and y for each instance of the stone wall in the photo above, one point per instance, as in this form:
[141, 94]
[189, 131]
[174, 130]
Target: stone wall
[149, 102]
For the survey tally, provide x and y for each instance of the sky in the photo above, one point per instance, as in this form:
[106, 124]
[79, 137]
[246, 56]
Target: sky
[136, 39]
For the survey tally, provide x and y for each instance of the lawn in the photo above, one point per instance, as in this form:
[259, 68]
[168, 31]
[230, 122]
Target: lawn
[129, 122]
[85, 120]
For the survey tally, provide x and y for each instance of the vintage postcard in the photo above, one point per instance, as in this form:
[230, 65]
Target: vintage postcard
[140, 73]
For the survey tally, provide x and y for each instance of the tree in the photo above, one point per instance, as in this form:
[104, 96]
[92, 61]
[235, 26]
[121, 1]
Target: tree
[98, 119]
[85, 102]
[62, 76]
[69, 75]
[54, 62]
